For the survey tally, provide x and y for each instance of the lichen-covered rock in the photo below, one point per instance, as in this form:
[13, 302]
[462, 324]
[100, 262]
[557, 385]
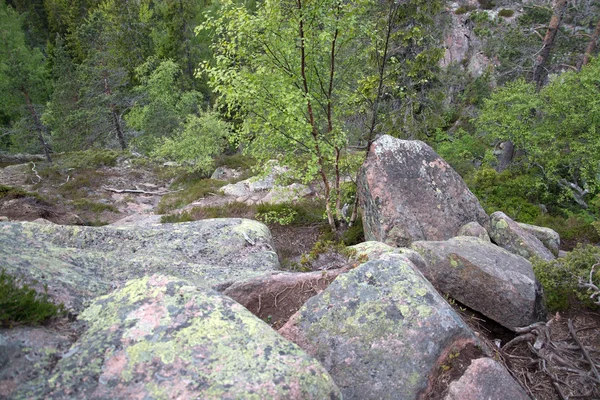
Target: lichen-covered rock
[549, 237]
[27, 353]
[486, 379]
[160, 337]
[408, 193]
[381, 330]
[508, 234]
[79, 263]
[475, 230]
[371, 250]
[484, 277]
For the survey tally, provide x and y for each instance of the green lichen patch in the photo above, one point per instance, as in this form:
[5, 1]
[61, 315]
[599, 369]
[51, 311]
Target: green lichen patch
[160, 337]
[370, 326]
[80, 263]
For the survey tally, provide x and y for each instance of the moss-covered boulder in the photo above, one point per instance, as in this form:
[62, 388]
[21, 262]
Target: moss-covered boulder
[408, 192]
[381, 330]
[79, 263]
[162, 338]
[484, 277]
[510, 235]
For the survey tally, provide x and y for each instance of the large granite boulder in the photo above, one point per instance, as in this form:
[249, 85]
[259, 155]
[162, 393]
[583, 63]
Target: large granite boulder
[160, 337]
[408, 193]
[484, 277]
[510, 235]
[381, 330]
[486, 379]
[549, 237]
[79, 263]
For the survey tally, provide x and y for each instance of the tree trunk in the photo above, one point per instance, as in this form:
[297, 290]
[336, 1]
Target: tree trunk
[39, 127]
[542, 58]
[590, 47]
[508, 152]
[115, 116]
[391, 17]
[311, 121]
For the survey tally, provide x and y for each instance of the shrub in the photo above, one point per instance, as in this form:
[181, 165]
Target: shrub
[506, 13]
[89, 159]
[20, 304]
[93, 206]
[9, 192]
[561, 278]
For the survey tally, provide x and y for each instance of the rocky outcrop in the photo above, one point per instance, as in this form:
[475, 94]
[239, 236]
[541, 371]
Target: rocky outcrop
[79, 263]
[475, 230]
[160, 337]
[549, 237]
[381, 330]
[408, 193]
[486, 379]
[510, 235]
[484, 277]
[265, 190]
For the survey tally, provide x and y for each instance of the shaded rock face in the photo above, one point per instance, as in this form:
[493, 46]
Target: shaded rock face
[27, 353]
[484, 277]
[408, 193]
[486, 379]
[160, 337]
[549, 237]
[275, 298]
[510, 235]
[80, 263]
[380, 330]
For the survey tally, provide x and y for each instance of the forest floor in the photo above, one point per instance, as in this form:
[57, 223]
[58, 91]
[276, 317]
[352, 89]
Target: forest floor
[551, 361]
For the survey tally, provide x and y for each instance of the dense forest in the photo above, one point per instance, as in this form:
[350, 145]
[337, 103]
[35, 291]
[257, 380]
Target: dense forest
[517, 113]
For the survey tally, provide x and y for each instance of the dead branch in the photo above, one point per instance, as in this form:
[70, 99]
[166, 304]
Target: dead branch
[591, 286]
[138, 191]
[35, 172]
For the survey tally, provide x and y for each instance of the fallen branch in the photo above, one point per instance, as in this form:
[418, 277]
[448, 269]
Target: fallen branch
[35, 172]
[138, 191]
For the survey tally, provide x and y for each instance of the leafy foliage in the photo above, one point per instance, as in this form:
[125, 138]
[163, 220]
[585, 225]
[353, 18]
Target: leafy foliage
[557, 127]
[21, 304]
[201, 139]
[561, 277]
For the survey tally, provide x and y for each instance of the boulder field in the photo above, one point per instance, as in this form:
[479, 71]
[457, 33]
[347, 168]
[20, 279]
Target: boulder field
[191, 310]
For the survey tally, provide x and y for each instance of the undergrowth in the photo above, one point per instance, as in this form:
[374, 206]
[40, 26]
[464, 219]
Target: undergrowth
[561, 278]
[21, 304]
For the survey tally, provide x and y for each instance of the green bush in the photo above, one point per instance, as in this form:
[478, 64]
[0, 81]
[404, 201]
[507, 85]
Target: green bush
[20, 304]
[9, 192]
[560, 278]
[516, 195]
[89, 159]
[506, 13]
[308, 212]
[486, 4]
[576, 228]
[93, 206]
[464, 9]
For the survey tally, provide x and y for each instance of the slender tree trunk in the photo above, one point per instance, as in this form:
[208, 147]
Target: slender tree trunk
[542, 58]
[39, 127]
[590, 47]
[311, 120]
[371, 135]
[115, 116]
